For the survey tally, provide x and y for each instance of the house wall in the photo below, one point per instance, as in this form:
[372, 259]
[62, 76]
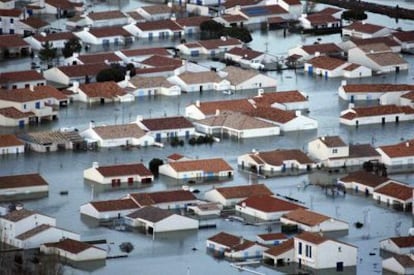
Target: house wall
[55, 75]
[13, 229]
[213, 246]
[255, 251]
[361, 71]
[390, 246]
[24, 190]
[86, 255]
[11, 149]
[386, 199]
[392, 265]
[10, 122]
[50, 235]
[214, 196]
[266, 216]
[318, 150]
[326, 254]
[193, 112]
[89, 210]
[299, 123]
[93, 175]
[287, 256]
[175, 223]
[377, 119]
[256, 82]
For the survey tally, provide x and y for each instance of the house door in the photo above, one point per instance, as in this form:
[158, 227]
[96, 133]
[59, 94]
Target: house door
[352, 99]
[383, 120]
[130, 181]
[397, 119]
[397, 69]
[102, 100]
[37, 105]
[310, 70]
[21, 123]
[339, 266]
[158, 137]
[201, 89]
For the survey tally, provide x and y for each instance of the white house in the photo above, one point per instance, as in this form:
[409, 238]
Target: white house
[319, 20]
[155, 220]
[318, 252]
[235, 124]
[215, 168]
[229, 196]
[362, 181]
[396, 194]
[117, 174]
[10, 19]
[200, 81]
[210, 47]
[109, 209]
[405, 39]
[245, 79]
[22, 185]
[276, 161]
[152, 85]
[273, 239]
[167, 127]
[117, 135]
[162, 29]
[74, 250]
[399, 264]
[108, 18]
[100, 92]
[171, 199]
[310, 221]
[327, 147]
[191, 24]
[155, 12]
[10, 144]
[137, 55]
[21, 79]
[284, 100]
[57, 40]
[105, 36]
[326, 66]
[280, 254]
[66, 75]
[246, 57]
[200, 110]
[397, 155]
[94, 58]
[365, 30]
[306, 52]
[398, 245]
[381, 114]
[265, 208]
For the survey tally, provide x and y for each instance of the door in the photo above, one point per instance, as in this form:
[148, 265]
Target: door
[130, 181]
[310, 70]
[158, 137]
[383, 120]
[21, 123]
[339, 266]
[37, 105]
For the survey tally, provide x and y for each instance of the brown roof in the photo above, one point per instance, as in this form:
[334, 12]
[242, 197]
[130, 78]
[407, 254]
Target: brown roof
[200, 77]
[277, 157]
[231, 18]
[377, 88]
[192, 20]
[387, 59]
[362, 150]
[162, 197]
[396, 190]
[83, 70]
[232, 3]
[124, 170]
[18, 181]
[10, 12]
[306, 217]
[404, 241]
[365, 178]
[273, 114]
[314, 238]
[272, 236]
[54, 36]
[106, 15]
[167, 24]
[235, 120]
[157, 9]
[225, 239]
[12, 112]
[281, 248]
[244, 191]
[376, 111]
[113, 205]
[119, 131]
[19, 76]
[332, 141]
[268, 99]
[404, 260]
[18, 215]
[175, 156]
[25, 94]
[267, 203]
[34, 22]
[245, 53]
[109, 31]
[150, 81]
[326, 62]
[404, 36]
[167, 123]
[321, 18]
[324, 48]
[99, 58]
[352, 67]
[237, 75]
[72, 246]
[12, 41]
[409, 95]
[238, 105]
[32, 232]
[160, 60]
[387, 40]
[145, 51]
[63, 4]
[222, 42]
[107, 89]
[403, 149]
[9, 140]
[150, 213]
[207, 165]
[364, 27]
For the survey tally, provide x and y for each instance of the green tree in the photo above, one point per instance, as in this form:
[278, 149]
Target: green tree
[73, 45]
[47, 53]
[242, 34]
[210, 29]
[354, 14]
[154, 164]
[116, 73]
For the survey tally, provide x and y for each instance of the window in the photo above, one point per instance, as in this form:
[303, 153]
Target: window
[339, 249]
[11, 20]
[334, 151]
[300, 248]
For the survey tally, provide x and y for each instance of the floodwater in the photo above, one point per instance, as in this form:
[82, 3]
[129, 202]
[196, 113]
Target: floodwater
[174, 254]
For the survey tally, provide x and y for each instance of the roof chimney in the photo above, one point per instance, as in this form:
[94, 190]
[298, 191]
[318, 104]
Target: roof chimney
[95, 164]
[241, 240]
[91, 124]
[343, 83]
[317, 54]
[197, 103]
[217, 112]
[407, 144]
[31, 87]
[139, 118]
[260, 92]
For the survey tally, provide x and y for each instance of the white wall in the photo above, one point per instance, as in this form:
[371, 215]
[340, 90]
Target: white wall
[175, 223]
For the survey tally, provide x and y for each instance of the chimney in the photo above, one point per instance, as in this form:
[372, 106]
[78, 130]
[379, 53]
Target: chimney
[75, 55]
[127, 76]
[343, 83]
[95, 165]
[217, 112]
[197, 103]
[260, 92]
[91, 124]
[407, 144]
[139, 118]
[241, 240]
[75, 86]
[323, 138]
[317, 54]
[298, 113]
[31, 87]
[351, 105]
[223, 38]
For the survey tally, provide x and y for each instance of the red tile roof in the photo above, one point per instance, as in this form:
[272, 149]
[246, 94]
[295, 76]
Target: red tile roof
[377, 88]
[326, 62]
[232, 18]
[71, 246]
[277, 157]
[404, 241]
[167, 123]
[364, 27]
[268, 204]
[396, 190]
[34, 22]
[162, 197]
[306, 217]
[159, 61]
[124, 170]
[244, 191]
[192, 20]
[150, 213]
[332, 141]
[314, 238]
[225, 239]
[232, 3]
[272, 236]
[9, 140]
[387, 40]
[106, 15]
[215, 165]
[18, 215]
[167, 24]
[12, 41]
[26, 95]
[145, 51]
[99, 58]
[273, 114]
[34, 231]
[107, 89]
[324, 48]
[404, 36]
[54, 36]
[63, 4]
[245, 53]
[20, 76]
[321, 18]
[13, 113]
[19, 181]
[281, 248]
[109, 31]
[175, 156]
[82, 70]
[237, 105]
[10, 12]
[365, 178]
[267, 99]
[222, 42]
[403, 149]
[376, 111]
[114, 205]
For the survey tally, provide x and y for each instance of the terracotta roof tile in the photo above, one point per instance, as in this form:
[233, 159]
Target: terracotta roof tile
[277, 157]
[364, 27]
[314, 238]
[324, 48]
[10, 12]
[267, 99]
[54, 36]
[306, 217]
[18, 181]
[32, 232]
[352, 67]
[167, 24]
[387, 40]
[25, 94]
[235, 120]
[13, 113]
[403, 149]
[237, 105]
[34, 22]
[232, 18]
[332, 141]
[175, 156]
[162, 197]
[269, 204]
[119, 131]
[404, 241]
[221, 42]
[387, 59]
[245, 53]
[106, 15]
[200, 77]
[273, 114]
[150, 213]
[238, 75]
[159, 60]
[244, 191]
[99, 58]
[63, 4]
[18, 215]
[321, 18]
[281, 248]
[12, 41]
[365, 178]
[107, 89]
[124, 170]
[167, 123]
[157, 9]
[396, 190]
[377, 110]
[18, 76]
[114, 205]
[146, 51]
[326, 62]
[362, 150]
[72, 246]
[150, 81]
[206, 165]
[192, 20]
[83, 70]
[272, 236]
[404, 260]
[109, 31]
[407, 36]
[225, 239]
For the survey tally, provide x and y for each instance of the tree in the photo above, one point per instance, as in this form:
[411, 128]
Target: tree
[211, 29]
[242, 34]
[115, 73]
[47, 53]
[73, 45]
[354, 14]
[154, 164]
